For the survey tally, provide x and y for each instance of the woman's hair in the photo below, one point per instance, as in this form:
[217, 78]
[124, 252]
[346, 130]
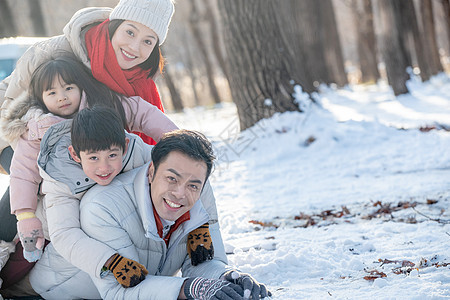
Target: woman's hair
[72, 71]
[154, 63]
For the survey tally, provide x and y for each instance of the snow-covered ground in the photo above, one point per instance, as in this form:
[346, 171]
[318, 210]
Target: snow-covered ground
[338, 202]
[349, 200]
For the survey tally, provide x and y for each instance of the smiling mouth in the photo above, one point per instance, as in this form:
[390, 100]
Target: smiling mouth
[172, 204]
[104, 176]
[128, 54]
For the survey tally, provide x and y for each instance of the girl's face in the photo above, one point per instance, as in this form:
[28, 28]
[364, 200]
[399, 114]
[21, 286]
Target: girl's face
[62, 99]
[133, 43]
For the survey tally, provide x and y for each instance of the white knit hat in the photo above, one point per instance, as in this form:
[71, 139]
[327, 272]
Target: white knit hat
[155, 14]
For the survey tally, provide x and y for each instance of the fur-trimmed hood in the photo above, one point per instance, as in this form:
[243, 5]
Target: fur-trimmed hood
[16, 122]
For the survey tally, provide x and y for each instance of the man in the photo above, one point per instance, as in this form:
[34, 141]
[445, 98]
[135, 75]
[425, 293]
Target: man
[146, 215]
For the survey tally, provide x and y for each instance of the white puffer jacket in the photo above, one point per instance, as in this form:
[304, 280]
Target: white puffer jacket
[120, 216]
[124, 211]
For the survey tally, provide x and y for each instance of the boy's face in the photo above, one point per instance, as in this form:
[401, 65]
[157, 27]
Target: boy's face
[176, 185]
[101, 166]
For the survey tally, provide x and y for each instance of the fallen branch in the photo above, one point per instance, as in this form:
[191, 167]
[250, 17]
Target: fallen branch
[436, 220]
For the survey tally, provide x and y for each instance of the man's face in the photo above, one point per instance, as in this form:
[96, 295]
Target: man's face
[101, 166]
[176, 185]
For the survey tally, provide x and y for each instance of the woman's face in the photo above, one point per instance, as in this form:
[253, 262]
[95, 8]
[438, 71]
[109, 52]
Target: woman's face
[133, 43]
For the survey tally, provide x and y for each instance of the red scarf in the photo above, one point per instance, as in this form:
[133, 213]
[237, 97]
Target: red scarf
[106, 69]
[185, 217]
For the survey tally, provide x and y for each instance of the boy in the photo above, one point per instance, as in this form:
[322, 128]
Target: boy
[99, 150]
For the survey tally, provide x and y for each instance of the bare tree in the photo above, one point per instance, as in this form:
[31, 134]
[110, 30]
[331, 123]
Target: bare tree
[366, 40]
[174, 95]
[195, 26]
[260, 63]
[393, 52]
[410, 37]
[446, 6]
[7, 25]
[331, 44]
[429, 37]
[37, 17]
[215, 35]
[307, 32]
[310, 31]
[191, 71]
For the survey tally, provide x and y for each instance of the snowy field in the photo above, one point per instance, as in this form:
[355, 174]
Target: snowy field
[349, 200]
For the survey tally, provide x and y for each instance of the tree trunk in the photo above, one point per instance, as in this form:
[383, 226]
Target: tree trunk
[194, 21]
[211, 16]
[446, 6]
[7, 25]
[366, 42]
[392, 49]
[310, 26]
[331, 44]
[429, 36]
[299, 36]
[260, 62]
[174, 95]
[37, 18]
[411, 37]
[404, 28]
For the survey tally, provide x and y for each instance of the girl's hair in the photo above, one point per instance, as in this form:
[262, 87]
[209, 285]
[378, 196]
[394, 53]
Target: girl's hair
[70, 70]
[154, 63]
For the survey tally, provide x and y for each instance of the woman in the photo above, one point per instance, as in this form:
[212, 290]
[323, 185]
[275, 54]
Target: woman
[121, 46]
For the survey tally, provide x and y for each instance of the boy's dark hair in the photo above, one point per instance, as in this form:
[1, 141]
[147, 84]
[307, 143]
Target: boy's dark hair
[72, 71]
[153, 63]
[188, 142]
[96, 129]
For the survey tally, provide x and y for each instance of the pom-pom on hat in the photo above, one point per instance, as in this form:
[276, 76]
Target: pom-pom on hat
[155, 14]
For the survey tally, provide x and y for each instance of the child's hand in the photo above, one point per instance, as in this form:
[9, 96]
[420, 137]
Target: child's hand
[128, 272]
[31, 235]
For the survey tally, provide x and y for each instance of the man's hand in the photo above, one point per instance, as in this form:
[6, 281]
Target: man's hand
[128, 272]
[250, 286]
[31, 235]
[211, 289]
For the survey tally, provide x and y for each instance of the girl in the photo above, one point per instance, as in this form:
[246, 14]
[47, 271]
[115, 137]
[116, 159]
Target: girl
[59, 88]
